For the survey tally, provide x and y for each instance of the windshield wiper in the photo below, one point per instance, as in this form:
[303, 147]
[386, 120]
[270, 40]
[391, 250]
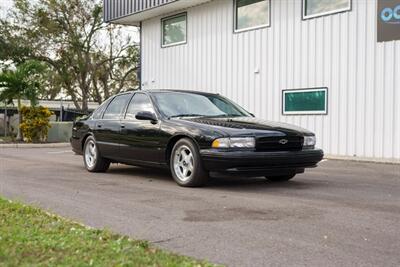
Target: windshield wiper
[225, 116]
[185, 115]
[205, 116]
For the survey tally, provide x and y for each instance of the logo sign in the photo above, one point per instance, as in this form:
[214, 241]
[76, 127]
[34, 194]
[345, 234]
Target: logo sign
[283, 141]
[388, 16]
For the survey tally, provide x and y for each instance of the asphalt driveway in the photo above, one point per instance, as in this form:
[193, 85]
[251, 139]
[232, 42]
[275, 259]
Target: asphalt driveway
[340, 214]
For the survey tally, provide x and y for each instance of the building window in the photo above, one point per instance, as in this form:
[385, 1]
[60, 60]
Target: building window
[174, 30]
[251, 14]
[316, 8]
[305, 101]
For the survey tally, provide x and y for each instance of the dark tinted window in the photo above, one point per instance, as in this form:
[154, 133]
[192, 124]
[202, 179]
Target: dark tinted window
[139, 102]
[116, 107]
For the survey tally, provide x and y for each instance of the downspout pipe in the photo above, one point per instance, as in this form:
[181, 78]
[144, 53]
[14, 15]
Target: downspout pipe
[140, 72]
[5, 119]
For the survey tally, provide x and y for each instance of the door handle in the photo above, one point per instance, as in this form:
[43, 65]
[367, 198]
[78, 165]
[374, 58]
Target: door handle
[99, 125]
[122, 126]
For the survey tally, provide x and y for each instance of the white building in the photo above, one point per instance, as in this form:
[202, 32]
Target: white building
[342, 55]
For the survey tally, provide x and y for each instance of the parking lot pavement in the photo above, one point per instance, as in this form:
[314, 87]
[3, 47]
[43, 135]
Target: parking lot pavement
[339, 214]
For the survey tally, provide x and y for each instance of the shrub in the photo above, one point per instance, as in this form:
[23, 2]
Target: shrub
[36, 123]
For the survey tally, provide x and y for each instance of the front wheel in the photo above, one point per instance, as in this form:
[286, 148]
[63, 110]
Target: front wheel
[186, 165]
[280, 178]
[92, 158]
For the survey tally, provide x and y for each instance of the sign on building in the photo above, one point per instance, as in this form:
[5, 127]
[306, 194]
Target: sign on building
[305, 101]
[388, 20]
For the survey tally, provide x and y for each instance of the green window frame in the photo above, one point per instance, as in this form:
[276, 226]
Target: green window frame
[174, 30]
[310, 101]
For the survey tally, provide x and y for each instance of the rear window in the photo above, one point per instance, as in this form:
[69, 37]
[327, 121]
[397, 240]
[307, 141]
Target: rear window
[98, 113]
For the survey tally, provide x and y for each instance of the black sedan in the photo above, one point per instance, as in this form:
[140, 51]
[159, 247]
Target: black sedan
[192, 134]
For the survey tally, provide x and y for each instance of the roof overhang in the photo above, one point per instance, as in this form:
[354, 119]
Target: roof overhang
[135, 18]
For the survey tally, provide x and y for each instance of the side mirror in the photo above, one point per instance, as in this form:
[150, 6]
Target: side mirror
[146, 116]
[81, 118]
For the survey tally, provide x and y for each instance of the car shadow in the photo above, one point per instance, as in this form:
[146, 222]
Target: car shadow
[141, 172]
[220, 182]
[257, 184]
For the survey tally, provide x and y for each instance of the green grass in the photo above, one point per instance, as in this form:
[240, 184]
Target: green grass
[30, 236]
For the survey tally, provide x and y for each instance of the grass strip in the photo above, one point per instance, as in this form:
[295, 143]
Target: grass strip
[30, 236]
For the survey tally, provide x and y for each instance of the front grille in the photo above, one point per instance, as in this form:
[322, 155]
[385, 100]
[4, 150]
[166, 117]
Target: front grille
[278, 143]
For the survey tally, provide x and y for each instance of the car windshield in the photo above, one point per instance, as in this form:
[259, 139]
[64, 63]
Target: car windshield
[183, 104]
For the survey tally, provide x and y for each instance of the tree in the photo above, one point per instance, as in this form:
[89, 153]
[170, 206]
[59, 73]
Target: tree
[22, 83]
[115, 67]
[90, 60]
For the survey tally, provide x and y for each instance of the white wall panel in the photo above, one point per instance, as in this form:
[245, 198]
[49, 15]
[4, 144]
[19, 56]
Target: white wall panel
[337, 51]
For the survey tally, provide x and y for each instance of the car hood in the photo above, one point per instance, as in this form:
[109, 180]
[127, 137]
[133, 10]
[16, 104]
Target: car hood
[249, 125]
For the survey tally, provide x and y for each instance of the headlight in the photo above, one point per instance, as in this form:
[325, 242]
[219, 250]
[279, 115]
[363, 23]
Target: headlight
[309, 141]
[234, 142]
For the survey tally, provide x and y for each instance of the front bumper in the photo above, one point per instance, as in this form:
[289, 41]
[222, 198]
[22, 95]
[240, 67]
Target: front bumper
[260, 163]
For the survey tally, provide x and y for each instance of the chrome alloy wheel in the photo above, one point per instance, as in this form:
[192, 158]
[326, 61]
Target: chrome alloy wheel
[90, 154]
[183, 163]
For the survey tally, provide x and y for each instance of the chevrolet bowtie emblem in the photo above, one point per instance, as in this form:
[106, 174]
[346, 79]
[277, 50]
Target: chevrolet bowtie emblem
[283, 141]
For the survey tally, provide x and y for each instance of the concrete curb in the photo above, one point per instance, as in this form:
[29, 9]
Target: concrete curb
[49, 145]
[366, 160]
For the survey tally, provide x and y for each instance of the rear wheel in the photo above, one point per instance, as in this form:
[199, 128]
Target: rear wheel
[94, 162]
[280, 178]
[186, 165]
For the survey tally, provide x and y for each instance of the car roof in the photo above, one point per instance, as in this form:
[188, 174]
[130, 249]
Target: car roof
[177, 91]
[151, 91]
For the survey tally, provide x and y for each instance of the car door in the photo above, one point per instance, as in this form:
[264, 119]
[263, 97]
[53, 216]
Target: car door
[139, 139]
[107, 129]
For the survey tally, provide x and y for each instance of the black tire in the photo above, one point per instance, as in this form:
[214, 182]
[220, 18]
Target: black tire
[99, 164]
[196, 174]
[281, 178]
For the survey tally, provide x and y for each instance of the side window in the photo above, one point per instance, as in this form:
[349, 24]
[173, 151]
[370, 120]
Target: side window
[116, 107]
[139, 102]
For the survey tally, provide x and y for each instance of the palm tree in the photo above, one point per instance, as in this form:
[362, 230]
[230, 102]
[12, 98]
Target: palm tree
[21, 83]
